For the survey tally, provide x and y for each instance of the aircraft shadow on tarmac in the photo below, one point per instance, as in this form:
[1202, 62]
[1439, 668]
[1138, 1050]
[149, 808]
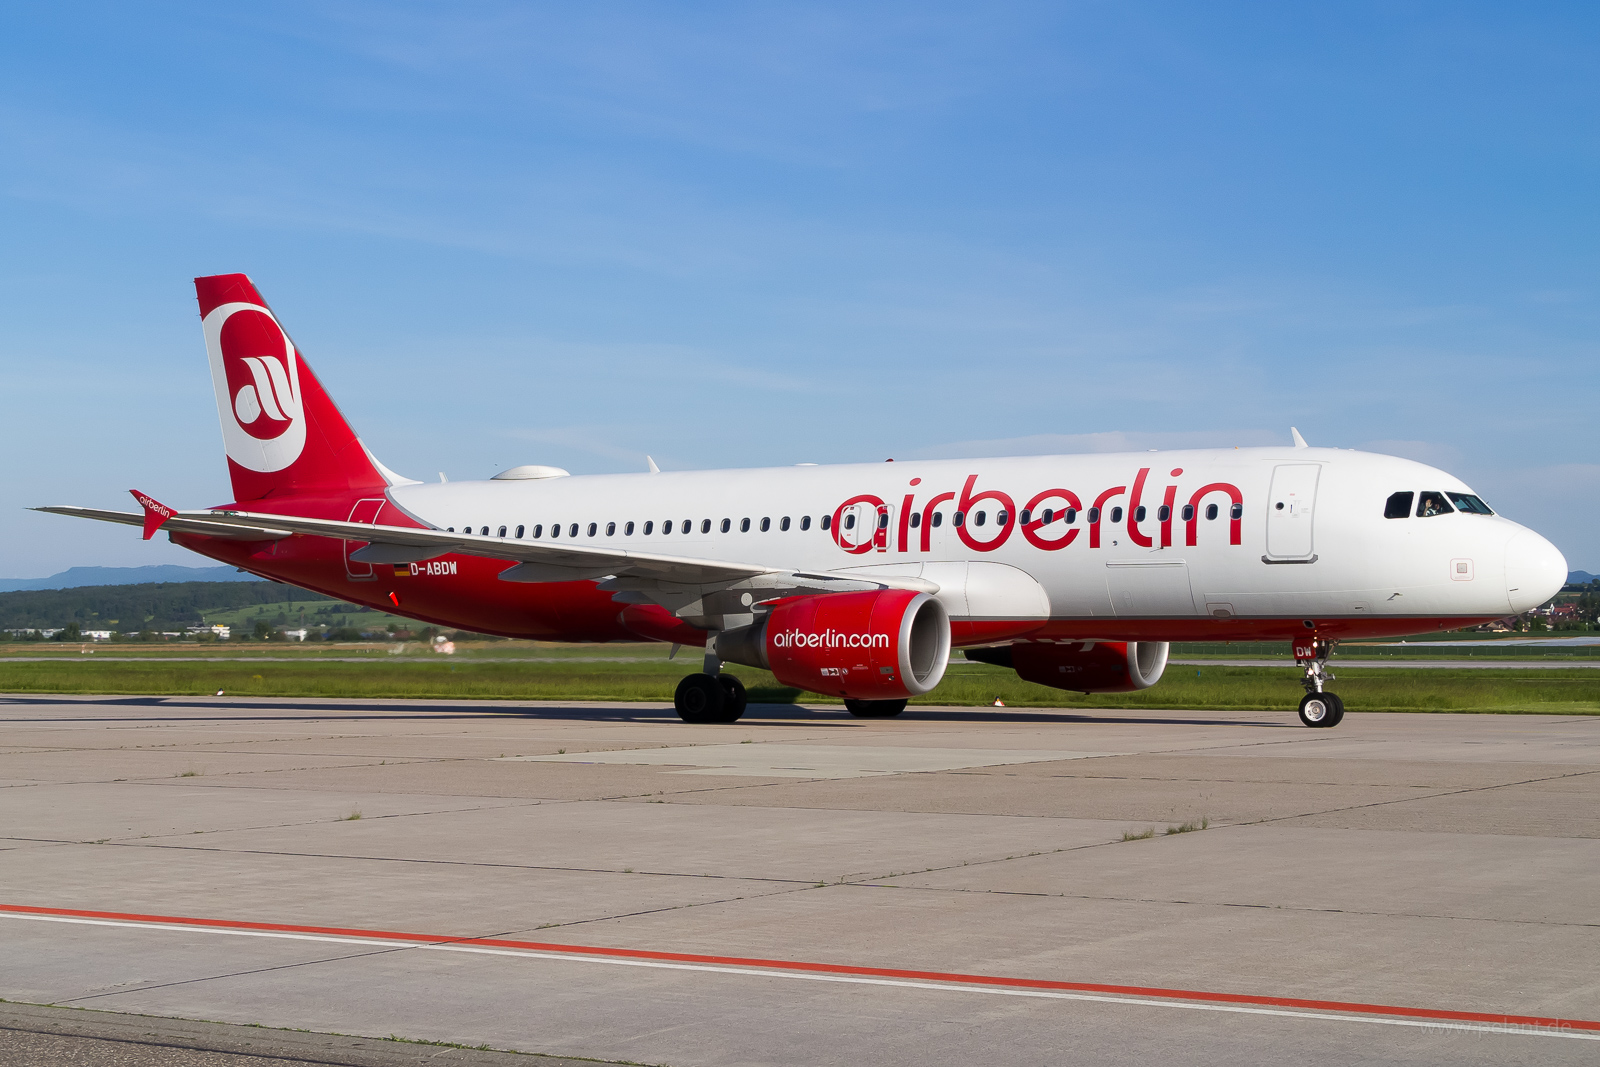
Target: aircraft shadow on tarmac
[286, 709]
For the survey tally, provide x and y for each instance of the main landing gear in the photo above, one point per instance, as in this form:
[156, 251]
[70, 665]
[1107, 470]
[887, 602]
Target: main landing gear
[1318, 708]
[710, 697]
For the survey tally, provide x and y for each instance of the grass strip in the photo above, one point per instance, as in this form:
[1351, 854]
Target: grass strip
[1575, 692]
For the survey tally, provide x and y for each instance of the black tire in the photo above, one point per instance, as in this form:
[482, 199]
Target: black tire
[1321, 711]
[875, 709]
[733, 698]
[700, 699]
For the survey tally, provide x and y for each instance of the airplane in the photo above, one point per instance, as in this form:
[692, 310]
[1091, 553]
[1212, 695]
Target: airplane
[855, 580]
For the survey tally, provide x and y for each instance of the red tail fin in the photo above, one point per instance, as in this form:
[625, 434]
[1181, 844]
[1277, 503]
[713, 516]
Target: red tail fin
[282, 432]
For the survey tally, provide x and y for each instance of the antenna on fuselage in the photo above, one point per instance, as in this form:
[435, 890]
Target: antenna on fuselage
[1299, 442]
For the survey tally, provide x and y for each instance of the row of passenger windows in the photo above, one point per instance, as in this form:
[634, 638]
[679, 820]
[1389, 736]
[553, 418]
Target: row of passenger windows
[1430, 503]
[959, 518]
[667, 527]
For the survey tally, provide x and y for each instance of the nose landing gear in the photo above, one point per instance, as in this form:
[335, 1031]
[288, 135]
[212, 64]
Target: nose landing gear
[1318, 708]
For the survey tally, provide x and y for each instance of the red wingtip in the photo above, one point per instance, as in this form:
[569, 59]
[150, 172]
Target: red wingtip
[155, 512]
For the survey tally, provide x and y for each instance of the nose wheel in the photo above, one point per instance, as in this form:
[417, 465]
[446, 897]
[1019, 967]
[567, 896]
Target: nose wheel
[1319, 708]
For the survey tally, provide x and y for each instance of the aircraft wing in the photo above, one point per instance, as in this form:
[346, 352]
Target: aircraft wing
[180, 524]
[641, 572]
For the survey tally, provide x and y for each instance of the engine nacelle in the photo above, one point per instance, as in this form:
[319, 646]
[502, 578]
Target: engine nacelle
[883, 645]
[1086, 667]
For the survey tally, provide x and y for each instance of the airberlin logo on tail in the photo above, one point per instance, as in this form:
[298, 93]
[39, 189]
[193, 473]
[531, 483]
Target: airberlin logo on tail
[256, 372]
[828, 639]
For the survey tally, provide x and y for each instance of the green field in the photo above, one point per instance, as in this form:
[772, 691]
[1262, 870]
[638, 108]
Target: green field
[589, 673]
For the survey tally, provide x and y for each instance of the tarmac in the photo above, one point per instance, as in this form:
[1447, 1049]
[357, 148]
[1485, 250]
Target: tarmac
[954, 886]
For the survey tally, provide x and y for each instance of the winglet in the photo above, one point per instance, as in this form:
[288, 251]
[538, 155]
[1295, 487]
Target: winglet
[155, 513]
[652, 461]
[1299, 442]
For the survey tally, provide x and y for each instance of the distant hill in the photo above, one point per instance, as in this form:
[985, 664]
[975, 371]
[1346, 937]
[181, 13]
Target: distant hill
[152, 605]
[1580, 577]
[74, 577]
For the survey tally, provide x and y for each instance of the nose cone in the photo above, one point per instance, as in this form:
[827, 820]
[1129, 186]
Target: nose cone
[1535, 571]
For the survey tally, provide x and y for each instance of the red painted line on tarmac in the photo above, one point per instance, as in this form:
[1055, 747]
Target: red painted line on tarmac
[1195, 995]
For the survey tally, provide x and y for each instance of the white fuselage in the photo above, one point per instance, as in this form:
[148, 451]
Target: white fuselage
[1311, 535]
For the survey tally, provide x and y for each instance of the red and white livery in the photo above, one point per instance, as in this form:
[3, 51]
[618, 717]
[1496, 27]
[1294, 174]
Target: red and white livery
[855, 580]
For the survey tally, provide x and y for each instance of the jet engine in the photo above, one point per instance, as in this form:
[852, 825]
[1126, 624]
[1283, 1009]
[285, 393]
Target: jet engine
[1083, 666]
[885, 645]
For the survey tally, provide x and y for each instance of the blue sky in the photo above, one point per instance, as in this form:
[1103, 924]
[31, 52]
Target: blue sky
[746, 234]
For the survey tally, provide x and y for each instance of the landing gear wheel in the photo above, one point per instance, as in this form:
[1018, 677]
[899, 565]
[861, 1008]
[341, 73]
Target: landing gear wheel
[1321, 710]
[700, 699]
[875, 709]
[733, 698]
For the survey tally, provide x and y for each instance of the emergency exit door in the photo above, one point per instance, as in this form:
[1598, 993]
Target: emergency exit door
[1291, 511]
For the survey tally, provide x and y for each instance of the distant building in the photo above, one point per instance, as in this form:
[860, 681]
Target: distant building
[294, 635]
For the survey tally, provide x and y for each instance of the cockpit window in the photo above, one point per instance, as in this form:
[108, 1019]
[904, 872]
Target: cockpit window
[1399, 506]
[1468, 504]
[1431, 503]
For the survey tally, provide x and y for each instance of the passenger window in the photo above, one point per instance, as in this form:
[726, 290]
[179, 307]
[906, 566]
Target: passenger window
[1430, 504]
[1398, 506]
[705, 525]
[1163, 513]
[850, 521]
[649, 527]
[484, 532]
[1001, 516]
[744, 525]
[572, 531]
[1116, 515]
[555, 529]
[958, 518]
[883, 520]
[805, 522]
[611, 529]
[783, 524]
[688, 525]
[938, 519]
[1071, 516]
[1211, 512]
[1188, 513]
[727, 524]
[1027, 516]
[538, 530]
[1138, 513]
[592, 528]
[520, 531]
[766, 524]
[627, 531]
[827, 520]
[916, 520]
[1236, 512]
[450, 529]
[502, 532]
[980, 518]
[1093, 516]
[1468, 504]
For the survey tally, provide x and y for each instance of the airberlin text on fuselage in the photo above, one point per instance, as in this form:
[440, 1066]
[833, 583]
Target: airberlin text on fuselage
[1208, 501]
